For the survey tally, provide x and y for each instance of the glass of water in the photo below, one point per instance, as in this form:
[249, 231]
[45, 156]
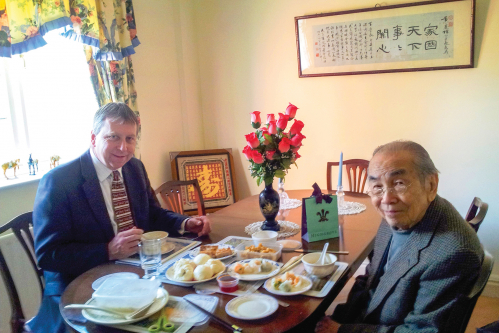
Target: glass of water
[150, 257]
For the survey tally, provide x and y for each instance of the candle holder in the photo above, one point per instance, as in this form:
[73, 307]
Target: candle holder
[340, 196]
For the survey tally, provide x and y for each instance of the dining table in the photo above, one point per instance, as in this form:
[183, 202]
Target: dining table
[356, 235]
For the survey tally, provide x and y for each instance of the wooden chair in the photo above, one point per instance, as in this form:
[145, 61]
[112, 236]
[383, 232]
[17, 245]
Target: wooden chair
[356, 171]
[463, 308]
[20, 226]
[472, 217]
[170, 193]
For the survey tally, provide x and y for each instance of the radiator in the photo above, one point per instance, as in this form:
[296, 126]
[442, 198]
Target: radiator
[25, 279]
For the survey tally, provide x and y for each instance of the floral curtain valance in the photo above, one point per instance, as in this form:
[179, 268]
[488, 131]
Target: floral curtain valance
[106, 25]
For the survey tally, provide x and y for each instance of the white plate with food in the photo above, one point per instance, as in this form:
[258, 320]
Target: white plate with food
[122, 275]
[252, 306]
[191, 271]
[288, 284]
[106, 318]
[215, 251]
[255, 269]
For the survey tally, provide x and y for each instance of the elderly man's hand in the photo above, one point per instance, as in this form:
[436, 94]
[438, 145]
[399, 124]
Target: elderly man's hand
[124, 244]
[326, 324]
[200, 224]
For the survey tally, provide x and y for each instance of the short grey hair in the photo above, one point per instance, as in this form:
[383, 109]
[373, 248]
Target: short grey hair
[119, 112]
[422, 161]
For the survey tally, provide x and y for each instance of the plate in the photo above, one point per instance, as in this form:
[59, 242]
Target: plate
[167, 247]
[171, 271]
[195, 251]
[289, 245]
[104, 318]
[259, 276]
[123, 275]
[250, 307]
[268, 286]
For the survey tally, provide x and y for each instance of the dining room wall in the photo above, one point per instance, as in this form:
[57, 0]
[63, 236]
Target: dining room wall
[247, 61]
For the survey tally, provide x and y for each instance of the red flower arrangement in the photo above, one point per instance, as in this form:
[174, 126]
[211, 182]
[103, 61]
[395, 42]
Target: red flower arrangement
[270, 149]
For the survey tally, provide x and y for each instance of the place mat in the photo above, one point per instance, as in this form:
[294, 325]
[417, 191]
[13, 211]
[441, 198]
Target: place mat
[289, 204]
[321, 286]
[287, 229]
[351, 207]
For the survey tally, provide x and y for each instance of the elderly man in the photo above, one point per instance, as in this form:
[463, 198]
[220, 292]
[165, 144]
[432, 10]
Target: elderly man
[425, 254]
[94, 209]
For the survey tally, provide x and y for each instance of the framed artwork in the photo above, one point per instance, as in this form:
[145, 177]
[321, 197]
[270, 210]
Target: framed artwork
[418, 36]
[214, 170]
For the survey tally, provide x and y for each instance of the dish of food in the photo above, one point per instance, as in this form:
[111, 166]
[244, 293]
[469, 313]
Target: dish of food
[260, 251]
[253, 306]
[215, 251]
[288, 284]
[255, 269]
[106, 318]
[200, 269]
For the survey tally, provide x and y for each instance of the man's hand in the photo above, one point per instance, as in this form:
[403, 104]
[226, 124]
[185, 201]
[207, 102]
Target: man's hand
[199, 224]
[326, 324]
[124, 244]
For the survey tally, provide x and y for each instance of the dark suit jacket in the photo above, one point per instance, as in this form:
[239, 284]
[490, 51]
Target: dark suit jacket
[72, 226]
[440, 260]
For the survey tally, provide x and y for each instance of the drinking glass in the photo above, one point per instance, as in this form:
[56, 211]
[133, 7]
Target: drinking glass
[150, 256]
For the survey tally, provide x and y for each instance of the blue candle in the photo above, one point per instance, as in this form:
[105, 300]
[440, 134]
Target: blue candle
[340, 176]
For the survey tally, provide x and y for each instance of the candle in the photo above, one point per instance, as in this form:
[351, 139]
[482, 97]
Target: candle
[340, 175]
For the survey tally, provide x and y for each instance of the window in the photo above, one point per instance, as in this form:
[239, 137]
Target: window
[47, 104]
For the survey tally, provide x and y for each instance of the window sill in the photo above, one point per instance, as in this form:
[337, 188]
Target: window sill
[22, 178]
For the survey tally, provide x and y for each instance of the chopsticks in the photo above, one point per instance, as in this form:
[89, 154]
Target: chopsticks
[313, 251]
[232, 328]
[291, 263]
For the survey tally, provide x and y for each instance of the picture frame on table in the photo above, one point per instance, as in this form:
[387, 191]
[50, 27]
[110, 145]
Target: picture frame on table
[420, 36]
[214, 170]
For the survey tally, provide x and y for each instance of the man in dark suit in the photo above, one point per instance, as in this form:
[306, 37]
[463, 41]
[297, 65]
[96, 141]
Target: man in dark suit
[425, 254]
[94, 209]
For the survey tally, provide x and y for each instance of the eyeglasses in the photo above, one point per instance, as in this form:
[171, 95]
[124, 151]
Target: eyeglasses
[380, 191]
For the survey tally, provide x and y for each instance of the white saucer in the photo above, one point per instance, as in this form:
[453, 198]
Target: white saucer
[253, 306]
[289, 245]
[268, 286]
[104, 318]
[276, 267]
[123, 275]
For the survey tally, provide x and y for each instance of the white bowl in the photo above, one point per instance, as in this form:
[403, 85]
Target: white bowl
[161, 235]
[264, 236]
[309, 261]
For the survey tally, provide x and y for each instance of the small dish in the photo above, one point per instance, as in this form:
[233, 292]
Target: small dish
[289, 245]
[122, 275]
[228, 282]
[276, 267]
[268, 286]
[264, 236]
[251, 307]
[319, 270]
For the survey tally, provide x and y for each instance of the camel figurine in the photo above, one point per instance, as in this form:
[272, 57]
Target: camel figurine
[54, 159]
[32, 163]
[11, 165]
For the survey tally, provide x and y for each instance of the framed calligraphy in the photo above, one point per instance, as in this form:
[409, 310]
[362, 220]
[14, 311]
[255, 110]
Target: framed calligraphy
[408, 37]
[214, 170]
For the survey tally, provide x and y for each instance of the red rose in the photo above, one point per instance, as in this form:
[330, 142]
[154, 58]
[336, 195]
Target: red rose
[296, 127]
[265, 131]
[252, 140]
[295, 157]
[270, 117]
[295, 149]
[256, 157]
[255, 119]
[284, 145]
[296, 140]
[269, 154]
[291, 111]
[247, 152]
[272, 127]
[282, 122]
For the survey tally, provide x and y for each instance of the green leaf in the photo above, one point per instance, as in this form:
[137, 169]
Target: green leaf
[286, 162]
[269, 138]
[280, 174]
[258, 181]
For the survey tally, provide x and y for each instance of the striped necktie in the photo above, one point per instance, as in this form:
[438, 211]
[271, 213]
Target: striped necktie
[121, 206]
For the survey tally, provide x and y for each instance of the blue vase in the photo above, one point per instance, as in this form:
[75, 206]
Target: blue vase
[269, 206]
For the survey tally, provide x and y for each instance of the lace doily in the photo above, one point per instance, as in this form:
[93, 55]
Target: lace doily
[288, 229]
[351, 208]
[289, 204]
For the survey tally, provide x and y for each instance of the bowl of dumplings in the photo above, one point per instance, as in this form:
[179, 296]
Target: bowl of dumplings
[199, 269]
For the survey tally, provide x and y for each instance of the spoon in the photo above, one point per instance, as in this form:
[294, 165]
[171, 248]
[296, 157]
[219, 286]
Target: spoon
[128, 316]
[322, 258]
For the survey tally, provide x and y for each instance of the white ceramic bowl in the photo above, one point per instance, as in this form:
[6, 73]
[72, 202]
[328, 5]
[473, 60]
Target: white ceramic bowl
[309, 261]
[264, 236]
[161, 235]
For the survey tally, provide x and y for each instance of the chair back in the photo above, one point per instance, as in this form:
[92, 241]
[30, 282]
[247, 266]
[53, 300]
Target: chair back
[20, 226]
[171, 195]
[472, 217]
[356, 171]
[462, 310]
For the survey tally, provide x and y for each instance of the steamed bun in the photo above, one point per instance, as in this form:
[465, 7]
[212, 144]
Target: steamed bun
[183, 273]
[203, 272]
[216, 265]
[183, 262]
[201, 259]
